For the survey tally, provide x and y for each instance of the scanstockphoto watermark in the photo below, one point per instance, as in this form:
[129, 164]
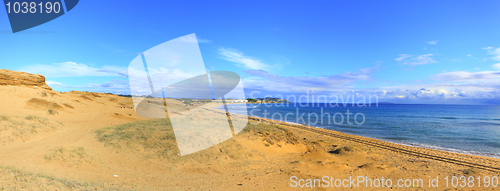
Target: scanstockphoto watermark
[157, 93]
[314, 118]
[353, 99]
[322, 114]
[454, 182]
[362, 181]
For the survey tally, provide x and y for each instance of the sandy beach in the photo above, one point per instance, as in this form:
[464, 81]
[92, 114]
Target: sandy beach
[93, 141]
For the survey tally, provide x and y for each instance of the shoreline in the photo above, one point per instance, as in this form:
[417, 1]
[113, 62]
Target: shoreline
[465, 159]
[416, 145]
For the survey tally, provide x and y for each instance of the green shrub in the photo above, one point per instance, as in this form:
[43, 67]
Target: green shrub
[52, 112]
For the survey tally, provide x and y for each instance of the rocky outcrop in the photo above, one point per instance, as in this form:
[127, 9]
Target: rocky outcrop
[13, 78]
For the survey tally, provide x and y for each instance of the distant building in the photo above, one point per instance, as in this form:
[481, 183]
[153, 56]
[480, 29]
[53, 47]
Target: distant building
[231, 100]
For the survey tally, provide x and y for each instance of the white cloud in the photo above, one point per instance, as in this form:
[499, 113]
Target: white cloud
[52, 83]
[235, 56]
[402, 57]
[466, 76]
[460, 87]
[193, 39]
[262, 80]
[113, 86]
[496, 66]
[495, 53]
[434, 42]
[451, 87]
[441, 93]
[73, 69]
[407, 59]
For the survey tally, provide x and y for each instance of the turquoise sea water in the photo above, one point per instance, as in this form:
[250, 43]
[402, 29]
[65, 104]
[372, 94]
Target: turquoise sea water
[471, 129]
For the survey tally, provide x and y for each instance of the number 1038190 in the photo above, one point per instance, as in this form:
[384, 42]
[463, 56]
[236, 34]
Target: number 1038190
[32, 7]
[471, 181]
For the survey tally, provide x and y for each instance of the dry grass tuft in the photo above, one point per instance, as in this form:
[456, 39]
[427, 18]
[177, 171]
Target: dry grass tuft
[16, 128]
[74, 156]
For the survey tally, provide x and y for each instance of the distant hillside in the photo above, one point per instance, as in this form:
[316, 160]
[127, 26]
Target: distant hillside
[267, 99]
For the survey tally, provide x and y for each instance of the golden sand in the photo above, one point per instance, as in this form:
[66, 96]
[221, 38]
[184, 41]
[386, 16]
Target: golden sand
[83, 141]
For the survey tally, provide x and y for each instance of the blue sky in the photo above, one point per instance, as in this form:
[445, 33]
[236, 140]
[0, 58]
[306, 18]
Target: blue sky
[400, 51]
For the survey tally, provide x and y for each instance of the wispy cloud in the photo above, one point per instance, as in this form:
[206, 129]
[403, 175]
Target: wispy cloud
[402, 57]
[438, 93]
[466, 76]
[459, 87]
[406, 59]
[241, 60]
[262, 80]
[434, 42]
[460, 76]
[494, 52]
[113, 86]
[470, 92]
[73, 69]
[53, 83]
[496, 66]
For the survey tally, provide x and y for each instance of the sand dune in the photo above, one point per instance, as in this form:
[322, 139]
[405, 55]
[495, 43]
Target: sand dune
[83, 140]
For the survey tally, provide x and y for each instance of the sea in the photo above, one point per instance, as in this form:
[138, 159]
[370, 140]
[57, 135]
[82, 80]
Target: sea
[468, 129]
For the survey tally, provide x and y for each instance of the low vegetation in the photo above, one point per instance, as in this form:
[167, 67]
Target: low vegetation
[156, 139]
[343, 150]
[17, 128]
[52, 112]
[470, 171]
[146, 135]
[76, 155]
[15, 179]
[270, 134]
